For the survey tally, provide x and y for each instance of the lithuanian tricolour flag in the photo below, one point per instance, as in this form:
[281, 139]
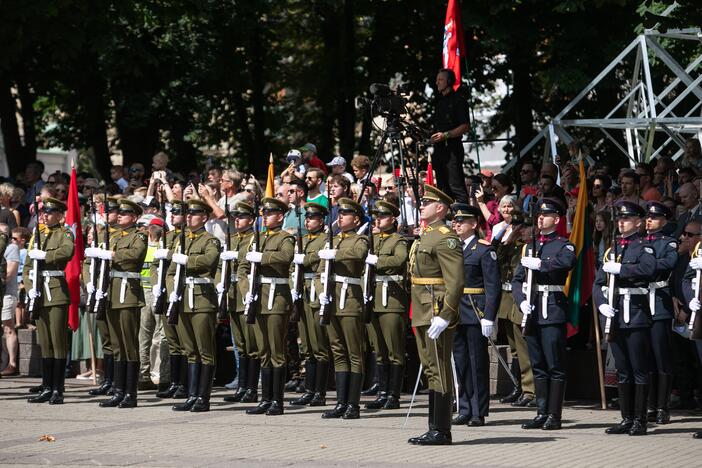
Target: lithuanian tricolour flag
[578, 287]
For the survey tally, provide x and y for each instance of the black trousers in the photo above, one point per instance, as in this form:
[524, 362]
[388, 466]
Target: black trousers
[631, 355]
[547, 351]
[473, 369]
[448, 165]
[661, 347]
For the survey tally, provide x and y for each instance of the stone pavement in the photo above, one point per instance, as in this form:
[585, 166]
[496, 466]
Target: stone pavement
[153, 435]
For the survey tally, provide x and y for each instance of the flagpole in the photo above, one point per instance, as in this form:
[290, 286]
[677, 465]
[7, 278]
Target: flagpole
[598, 350]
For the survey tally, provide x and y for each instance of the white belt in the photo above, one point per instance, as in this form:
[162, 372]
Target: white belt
[652, 294]
[124, 275]
[313, 291]
[506, 286]
[627, 293]
[345, 281]
[273, 282]
[545, 290]
[385, 279]
[191, 281]
[48, 274]
[52, 273]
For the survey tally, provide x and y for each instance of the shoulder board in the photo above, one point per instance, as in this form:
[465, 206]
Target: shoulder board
[484, 242]
[214, 240]
[142, 236]
[444, 230]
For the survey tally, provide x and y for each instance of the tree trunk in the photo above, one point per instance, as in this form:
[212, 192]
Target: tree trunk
[96, 123]
[10, 130]
[522, 96]
[138, 142]
[258, 160]
[26, 97]
[347, 81]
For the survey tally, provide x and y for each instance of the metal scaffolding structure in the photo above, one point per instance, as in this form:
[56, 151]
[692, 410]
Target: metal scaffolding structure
[650, 118]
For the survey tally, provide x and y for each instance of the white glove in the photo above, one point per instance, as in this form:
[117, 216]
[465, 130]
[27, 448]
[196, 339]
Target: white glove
[695, 305]
[487, 326]
[173, 297]
[89, 288]
[106, 254]
[327, 254]
[36, 254]
[160, 254]
[696, 263]
[180, 259]
[92, 252]
[254, 257]
[372, 259]
[438, 325]
[249, 298]
[32, 293]
[155, 291]
[612, 267]
[299, 259]
[324, 300]
[531, 263]
[295, 295]
[220, 288]
[229, 255]
[607, 310]
[525, 307]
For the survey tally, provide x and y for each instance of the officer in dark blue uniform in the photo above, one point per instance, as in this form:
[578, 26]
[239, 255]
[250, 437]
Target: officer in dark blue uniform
[482, 292]
[661, 306]
[547, 309]
[634, 265]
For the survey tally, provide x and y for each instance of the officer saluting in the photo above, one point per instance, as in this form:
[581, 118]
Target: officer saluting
[436, 269]
[661, 306]
[634, 267]
[478, 311]
[553, 259]
[57, 249]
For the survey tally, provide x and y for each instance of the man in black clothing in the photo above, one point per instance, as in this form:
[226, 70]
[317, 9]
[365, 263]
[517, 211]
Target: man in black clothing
[450, 123]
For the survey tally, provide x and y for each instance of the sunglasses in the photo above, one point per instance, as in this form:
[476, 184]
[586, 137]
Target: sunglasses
[249, 190]
[689, 234]
[427, 202]
[291, 191]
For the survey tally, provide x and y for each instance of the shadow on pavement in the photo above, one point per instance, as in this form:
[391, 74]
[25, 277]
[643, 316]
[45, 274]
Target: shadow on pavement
[507, 440]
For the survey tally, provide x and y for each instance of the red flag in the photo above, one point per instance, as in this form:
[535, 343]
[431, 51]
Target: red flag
[453, 40]
[74, 265]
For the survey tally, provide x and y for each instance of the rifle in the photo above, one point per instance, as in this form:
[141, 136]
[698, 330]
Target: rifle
[526, 328]
[327, 283]
[369, 274]
[226, 276]
[93, 261]
[179, 279]
[299, 273]
[161, 292]
[35, 304]
[611, 280]
[103, 292]
[254, 285]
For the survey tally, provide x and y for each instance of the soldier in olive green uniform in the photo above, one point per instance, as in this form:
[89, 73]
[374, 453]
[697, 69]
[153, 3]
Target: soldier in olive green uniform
[126, 298]
[272, 307]
[197, 324]
[111, 209]
[346, 328]
[53, 299]
[436, 269]
[244, 340]
[178, 361]
[388, 326]
[313, 335]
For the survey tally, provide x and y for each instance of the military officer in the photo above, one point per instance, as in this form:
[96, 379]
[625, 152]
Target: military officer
[691, 293]
[633, 264]
[178, 360]
[198, 320]
[478, 313]
[313, 335]
[126, 298]
[57, 246]
[249, 364]
[436, 269]
[550, 264]
[661, 306]
[388, 326]
[345, 328]
[272, 307]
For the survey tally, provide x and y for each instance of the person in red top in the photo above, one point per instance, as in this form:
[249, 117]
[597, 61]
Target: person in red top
[309, 157]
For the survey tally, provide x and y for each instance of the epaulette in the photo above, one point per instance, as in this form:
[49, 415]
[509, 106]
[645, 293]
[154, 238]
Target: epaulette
[142, 236]
[484, 242]
[444, 230]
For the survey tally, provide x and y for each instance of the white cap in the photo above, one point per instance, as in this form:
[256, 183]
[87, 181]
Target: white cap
[293, 154]
[337, 161]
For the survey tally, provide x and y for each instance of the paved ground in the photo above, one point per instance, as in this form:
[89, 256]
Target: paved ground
[153, 435]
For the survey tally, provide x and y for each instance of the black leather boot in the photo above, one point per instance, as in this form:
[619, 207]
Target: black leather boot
[394, 387]
[441, 434]
[193, 384]
[383, 383]
[132, 382]
[242, 377]
[541, 387]
[697, 435]
[204, 389]
[182, 391]
[652, 397]
[310, 383]
[342, 388]
[665, 385]
[354, 396]
[415, 440]
[118, 382]
[108, 361]
[251, 395]
[58, 382]
[320, 384]
[640, 405]
[626, 408]
[276, 408]
[47, 378]
[556, 393]
[266, 392]
[174, 364]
